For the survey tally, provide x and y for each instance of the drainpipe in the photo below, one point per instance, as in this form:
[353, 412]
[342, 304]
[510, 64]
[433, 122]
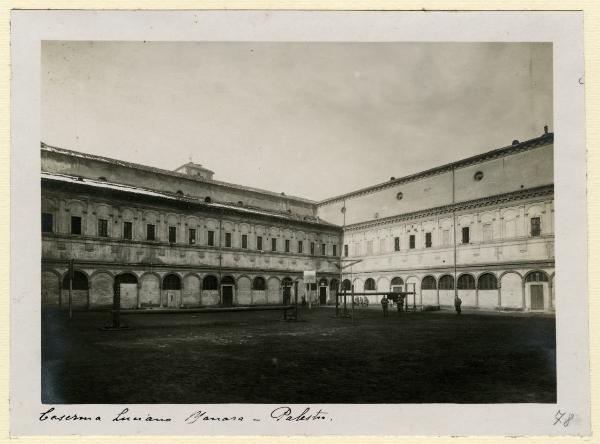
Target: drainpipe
[220, 258]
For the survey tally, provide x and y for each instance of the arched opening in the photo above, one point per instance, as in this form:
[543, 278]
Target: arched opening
[207, 199]
[127, 285]
[446, 282]
[396, 284]
[323, 291]
[487, 281]
[287, 285]
[370, 284]
[80, 293]
[536, 281]
[428, 283]
[346, 285]
[210, 283]
[466, 282]
[227, 288]
[171, 291]
[258, 283]
[171, 282]
[333, 285]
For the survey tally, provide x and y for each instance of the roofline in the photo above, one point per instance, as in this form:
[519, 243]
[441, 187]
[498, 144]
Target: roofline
[46, 147]
[545, 139]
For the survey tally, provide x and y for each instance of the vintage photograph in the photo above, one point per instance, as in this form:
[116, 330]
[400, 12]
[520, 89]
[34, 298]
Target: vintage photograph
[295, 222]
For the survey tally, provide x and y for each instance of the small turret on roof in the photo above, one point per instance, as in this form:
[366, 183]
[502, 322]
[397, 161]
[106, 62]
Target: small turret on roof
[195, 170]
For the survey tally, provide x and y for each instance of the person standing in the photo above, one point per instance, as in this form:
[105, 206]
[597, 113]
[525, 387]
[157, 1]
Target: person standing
[384, 305]
[457, 304]
[400, 304]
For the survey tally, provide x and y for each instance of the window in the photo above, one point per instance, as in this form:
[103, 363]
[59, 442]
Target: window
[466, 282]
[244, 241]
[211, 238]
[487, 281]
[396, 244]
[102, 228]
[192, 236]
[274, 244]
[258, 283]
[535, 226]
[127, 230]
[80, 281]
[369, 248]
[259, 242]
[446, 282]
[465, 235]
[478, 176]
[228, 240]
[536, 276]
[345, 250]
[369, 284]
[312, 248]
[411, 241]
[300, 246]
[171, 282]
[75, 225]
[172, 235]
[428, 283]
[287, 245]
[427, 240]
[210, 283]
[334, 252]
[47, 223]
[150, 232]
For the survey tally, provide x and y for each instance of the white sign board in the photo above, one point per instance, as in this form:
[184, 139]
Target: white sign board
[310, 277]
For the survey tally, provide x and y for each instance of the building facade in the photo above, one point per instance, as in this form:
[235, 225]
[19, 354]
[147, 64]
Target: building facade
[492, 215]
[481, 228]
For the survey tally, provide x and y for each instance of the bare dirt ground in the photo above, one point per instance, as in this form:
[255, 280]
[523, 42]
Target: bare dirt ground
[255, 357]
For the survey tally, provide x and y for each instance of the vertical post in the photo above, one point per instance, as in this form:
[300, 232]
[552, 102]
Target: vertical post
[352, 302]
[116, 305]
[345, 308]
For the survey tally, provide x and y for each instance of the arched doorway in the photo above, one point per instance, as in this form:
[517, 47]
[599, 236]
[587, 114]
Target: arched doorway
[537, 283]
[396, 284]
[210, 291]
[227, 290]
[171, 287]
[287, 290]
[323, 291]
[127, 285]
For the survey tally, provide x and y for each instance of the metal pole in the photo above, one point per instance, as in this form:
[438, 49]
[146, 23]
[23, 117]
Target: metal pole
[454, 229]
[353, 303]
[71, 297]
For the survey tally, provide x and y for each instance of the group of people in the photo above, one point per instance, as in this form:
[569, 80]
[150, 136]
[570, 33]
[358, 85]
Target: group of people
[400, 304]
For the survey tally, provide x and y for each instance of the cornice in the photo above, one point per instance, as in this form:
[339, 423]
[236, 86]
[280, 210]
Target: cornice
[529, 193]
[543, 140]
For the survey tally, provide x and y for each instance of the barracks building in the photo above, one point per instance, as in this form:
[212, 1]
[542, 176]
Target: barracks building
[481, 227]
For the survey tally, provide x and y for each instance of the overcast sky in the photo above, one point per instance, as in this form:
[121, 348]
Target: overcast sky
[310, 119]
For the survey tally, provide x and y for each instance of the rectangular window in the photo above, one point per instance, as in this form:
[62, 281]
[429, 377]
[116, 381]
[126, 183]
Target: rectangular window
[211, 238]
[345, 250]
[465, 235]
[228, 240]
[300, 246]
[312, 248]
[287, 245]
[150, 232]
[369, 248]
[172, 235]
[536, 229]
[427, 240]
[259, 242]
[411, 241]
[446, 238]
[47, 223]
[102, 228]
[127, 230]
[274, 244]
[396, 244]
[192, 236]
[75, 225]
[244, 241]
[323, 249]
[334, 252]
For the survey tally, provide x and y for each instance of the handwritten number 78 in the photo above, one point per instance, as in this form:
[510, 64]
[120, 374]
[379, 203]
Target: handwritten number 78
[561, 419]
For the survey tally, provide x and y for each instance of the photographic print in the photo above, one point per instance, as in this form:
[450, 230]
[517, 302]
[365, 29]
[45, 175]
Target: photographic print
[294, 225]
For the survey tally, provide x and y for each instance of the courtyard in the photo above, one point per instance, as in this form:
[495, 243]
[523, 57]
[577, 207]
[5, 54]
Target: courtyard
[256, 357]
